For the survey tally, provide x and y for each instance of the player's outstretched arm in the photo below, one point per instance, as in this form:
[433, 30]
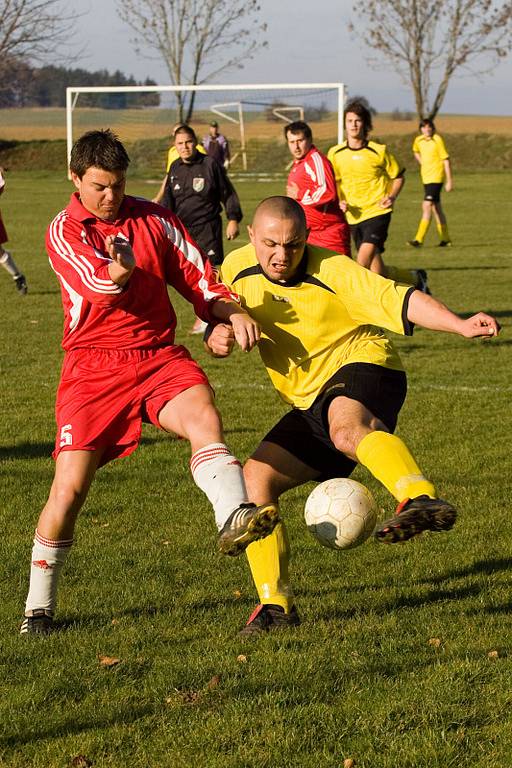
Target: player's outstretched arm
[247, 331]
[430, 313]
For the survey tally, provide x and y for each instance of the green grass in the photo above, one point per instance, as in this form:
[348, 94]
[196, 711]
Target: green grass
[359, 678]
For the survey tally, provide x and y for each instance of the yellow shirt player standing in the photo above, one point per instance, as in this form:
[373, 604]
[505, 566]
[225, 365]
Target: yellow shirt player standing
[369, 180]
[430, 152]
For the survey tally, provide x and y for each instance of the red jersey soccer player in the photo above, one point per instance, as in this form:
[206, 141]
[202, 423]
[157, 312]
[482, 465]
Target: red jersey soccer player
[311, 182]
[114, 256]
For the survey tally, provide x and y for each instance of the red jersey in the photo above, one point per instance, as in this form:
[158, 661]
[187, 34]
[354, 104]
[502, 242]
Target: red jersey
[98, 312]
[314, 177]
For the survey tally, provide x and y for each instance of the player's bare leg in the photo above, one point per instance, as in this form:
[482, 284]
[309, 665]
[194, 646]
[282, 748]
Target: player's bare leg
[193, 415]
[269, 472]
[369, 257]
[356, 432]
[74, 472]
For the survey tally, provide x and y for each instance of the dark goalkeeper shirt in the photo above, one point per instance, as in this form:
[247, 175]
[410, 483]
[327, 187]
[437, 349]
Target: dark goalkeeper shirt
[196, 191]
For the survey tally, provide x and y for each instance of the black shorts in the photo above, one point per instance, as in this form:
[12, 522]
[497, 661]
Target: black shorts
[374, 231]
[209, 237]
[432, 192]
[305, 433]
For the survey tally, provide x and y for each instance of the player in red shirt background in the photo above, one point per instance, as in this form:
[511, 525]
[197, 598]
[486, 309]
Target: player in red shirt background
[114, 256]
[311, 182]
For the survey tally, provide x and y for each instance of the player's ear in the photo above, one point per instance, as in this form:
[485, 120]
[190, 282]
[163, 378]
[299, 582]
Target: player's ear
[77, 181]
[308, 230]
[251, 234]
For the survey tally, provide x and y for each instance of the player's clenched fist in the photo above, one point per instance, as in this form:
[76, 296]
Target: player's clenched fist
[123, 259]
[480, 325]
[221, 340]
[247, 331]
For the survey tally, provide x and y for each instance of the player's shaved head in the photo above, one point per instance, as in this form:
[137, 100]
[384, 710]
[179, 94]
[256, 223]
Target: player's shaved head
[279, 207]
[278, 234]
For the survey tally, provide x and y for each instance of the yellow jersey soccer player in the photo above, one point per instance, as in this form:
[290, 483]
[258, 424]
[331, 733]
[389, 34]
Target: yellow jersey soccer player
[325, 354]
[430, 152]
[369, 180]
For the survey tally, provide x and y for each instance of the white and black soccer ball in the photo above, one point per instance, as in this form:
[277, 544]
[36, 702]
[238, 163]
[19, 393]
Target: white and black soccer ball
[340, 513]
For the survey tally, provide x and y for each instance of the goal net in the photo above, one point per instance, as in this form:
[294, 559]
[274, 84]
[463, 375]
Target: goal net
[252, 118]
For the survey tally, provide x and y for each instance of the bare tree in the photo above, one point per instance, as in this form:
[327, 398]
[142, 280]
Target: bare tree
[196, 39]
[33, 31]
[428, 42]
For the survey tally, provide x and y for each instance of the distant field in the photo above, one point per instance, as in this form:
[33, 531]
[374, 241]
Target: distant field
[29, 124]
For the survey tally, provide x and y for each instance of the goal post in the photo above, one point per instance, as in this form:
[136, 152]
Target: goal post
[145, 112]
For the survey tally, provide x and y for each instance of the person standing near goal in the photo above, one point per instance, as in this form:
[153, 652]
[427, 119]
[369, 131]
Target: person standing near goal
[311, 182]
[114, 256]
[430, 152]
[197, 188]
[216, 145]
[369, 180]
[6, 259]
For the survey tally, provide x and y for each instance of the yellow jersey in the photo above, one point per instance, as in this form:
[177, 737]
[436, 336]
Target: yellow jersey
[173, 155]
[432, 152]
[363, 178]
[326, 317]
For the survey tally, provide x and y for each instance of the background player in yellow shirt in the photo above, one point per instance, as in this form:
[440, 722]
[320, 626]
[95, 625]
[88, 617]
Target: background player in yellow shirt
[320, 316]
[430, 152]
[369, 180]
[172, 155]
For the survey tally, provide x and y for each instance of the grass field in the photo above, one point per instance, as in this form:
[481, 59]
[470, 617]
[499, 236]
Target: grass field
[404, 656]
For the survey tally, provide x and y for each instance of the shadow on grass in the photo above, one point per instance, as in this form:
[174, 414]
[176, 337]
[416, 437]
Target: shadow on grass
[485, 567]
[27, 451]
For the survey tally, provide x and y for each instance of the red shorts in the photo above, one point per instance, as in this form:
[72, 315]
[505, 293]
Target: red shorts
[335, 237]
[3, 233]
[105, 395]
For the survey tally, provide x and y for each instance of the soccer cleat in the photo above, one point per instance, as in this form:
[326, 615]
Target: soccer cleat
[40, 622]
[414, 243]
[422, 282]
[269, 618]
[444, 244]
[246, 524]
[21, 284]
[413, 516]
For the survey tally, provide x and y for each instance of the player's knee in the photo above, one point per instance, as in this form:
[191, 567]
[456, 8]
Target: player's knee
[345, 439]
[67, 497]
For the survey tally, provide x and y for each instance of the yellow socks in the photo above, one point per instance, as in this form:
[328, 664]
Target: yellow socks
[268, 560]
[390, 461]
[422, 230]
[442, 230]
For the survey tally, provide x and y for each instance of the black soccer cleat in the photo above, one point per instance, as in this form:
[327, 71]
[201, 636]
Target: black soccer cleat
[40, 622]
[21, 284]
[414, 243]
[269, 618]
[422, 282]
[246, 524]
[444, 244]
[413, 516]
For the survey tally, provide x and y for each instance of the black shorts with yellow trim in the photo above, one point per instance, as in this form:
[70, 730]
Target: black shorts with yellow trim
[305, 433]
[374, 231]
[432, 192]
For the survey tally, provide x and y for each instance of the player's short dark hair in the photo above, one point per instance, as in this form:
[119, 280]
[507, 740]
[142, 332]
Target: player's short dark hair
[362, 111]
[98, 149]
[429, 122]
[299, 126]
[187, 130]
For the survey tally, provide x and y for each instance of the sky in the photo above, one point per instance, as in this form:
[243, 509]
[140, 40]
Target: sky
[307, 42]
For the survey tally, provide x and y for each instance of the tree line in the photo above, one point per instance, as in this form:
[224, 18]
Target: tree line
[27, 86]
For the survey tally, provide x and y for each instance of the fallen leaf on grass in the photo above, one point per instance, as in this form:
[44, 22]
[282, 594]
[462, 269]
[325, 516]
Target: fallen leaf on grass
[241, 658]
[108, 661]
[349, 763]
[435, 642]
[194, 697]
[237, 593]
[81, 761]
[115, 621]
[493, 654]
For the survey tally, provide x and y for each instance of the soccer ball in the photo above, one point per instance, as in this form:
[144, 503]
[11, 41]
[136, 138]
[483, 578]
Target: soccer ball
[340, 513]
